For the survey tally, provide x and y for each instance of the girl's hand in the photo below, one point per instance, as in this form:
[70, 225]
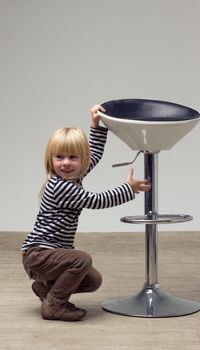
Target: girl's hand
[94, 114]
[138, 185]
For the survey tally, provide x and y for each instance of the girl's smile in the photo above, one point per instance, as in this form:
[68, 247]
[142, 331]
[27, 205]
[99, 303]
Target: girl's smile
[67, 166]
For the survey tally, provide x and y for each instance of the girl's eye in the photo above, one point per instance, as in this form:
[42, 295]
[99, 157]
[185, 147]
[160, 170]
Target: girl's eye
[59, 156]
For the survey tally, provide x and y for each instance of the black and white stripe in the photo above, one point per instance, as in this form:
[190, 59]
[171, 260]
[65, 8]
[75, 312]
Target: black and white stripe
[63, 201]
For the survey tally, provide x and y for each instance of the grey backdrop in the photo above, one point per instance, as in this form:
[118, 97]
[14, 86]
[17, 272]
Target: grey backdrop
[58, 58]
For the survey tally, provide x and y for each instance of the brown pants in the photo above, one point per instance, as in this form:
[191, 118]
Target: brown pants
[70, 270]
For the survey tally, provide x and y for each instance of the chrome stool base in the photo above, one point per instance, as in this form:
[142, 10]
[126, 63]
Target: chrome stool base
[151, 302]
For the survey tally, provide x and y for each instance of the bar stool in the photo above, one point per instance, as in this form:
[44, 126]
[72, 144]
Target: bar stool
[150, 126]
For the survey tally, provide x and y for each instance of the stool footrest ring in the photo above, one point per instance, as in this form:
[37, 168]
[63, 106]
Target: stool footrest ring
[156, 219]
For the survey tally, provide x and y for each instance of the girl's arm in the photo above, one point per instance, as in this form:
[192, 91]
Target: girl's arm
[98, 137]
[97, 141]
[70, 195]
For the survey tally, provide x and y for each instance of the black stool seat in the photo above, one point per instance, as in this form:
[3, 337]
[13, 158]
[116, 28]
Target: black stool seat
[148, 125]
[149, 110]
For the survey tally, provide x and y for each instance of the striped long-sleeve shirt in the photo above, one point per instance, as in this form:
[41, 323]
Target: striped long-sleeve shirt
[63, 201]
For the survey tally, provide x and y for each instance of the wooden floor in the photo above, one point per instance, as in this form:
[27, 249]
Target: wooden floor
[120, 258]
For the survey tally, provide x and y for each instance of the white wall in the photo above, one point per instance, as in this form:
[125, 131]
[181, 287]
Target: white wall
[58, 58]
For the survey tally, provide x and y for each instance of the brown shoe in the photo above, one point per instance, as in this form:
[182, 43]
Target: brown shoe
[56, 309]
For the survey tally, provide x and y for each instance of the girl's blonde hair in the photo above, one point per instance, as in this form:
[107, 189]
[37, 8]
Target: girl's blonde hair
[67, 141]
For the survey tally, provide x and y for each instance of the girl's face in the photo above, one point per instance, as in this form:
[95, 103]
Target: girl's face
[67, 166]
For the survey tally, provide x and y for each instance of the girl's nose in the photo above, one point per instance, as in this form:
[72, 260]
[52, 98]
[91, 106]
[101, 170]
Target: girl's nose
[66, 161]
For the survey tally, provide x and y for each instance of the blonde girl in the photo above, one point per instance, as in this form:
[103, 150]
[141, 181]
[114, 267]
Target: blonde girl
[49, 255]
